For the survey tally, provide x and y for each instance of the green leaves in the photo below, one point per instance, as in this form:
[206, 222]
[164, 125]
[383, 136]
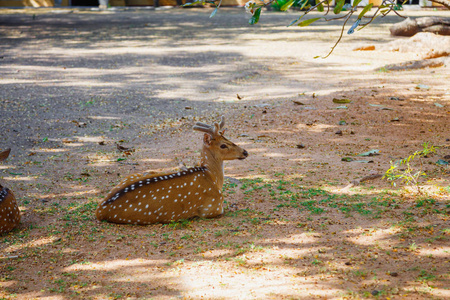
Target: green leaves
[341, 101]
[214, 12]
[193, 3]
[355, 3]
[308, 22]
[287, 5]
[365, 10]
[339, 5]
[320, 6]
[255, 18]
[304, 4]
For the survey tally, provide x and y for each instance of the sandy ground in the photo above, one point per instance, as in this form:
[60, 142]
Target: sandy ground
[73, 83]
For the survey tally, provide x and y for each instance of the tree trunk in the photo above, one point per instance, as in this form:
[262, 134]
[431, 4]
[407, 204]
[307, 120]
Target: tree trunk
[410, 27]
[446, 3]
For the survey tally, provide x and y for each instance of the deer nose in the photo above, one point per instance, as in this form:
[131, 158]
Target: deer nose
[245, 153]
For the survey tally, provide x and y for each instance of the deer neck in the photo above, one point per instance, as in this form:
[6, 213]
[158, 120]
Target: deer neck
[214, 166]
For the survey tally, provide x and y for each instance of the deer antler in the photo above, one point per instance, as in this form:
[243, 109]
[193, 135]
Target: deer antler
[211, 129]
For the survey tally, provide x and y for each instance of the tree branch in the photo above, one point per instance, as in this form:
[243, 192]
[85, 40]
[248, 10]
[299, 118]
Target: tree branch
[446, 3]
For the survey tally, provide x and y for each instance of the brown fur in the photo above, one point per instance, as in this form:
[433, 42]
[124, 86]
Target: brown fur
[162, 198]
[9, 211]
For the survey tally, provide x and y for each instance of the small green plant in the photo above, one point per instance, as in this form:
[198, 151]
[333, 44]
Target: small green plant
[425, 276]
[413, 247]
[180, 224]
[405, 171]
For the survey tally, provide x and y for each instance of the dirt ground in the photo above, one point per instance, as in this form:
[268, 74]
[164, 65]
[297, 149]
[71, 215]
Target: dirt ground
[305, 217]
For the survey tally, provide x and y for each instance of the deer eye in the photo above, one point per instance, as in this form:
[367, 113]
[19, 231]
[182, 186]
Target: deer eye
[223, 146]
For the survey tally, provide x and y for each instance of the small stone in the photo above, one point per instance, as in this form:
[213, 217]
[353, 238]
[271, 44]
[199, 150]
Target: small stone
[339, 132]
[396, 99]
[300, 146]
[393, 274]
[374, 292]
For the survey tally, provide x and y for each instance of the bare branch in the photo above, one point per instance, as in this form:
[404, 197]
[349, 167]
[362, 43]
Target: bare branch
[340, 37]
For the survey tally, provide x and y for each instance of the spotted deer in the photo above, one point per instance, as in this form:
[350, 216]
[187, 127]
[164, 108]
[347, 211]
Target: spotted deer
[162, 198]
[9, 211]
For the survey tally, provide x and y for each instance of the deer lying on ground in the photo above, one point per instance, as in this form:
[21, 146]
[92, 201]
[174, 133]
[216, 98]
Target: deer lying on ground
[9, 211]
[163, 198]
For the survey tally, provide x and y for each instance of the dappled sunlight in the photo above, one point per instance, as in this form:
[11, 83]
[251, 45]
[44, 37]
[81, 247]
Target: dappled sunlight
[441, 252]
[350, 190]
[315, 128]
[115, 264]
[21, 178]
[50, 150]
[370, 236]
[264, 177]
[90, 139]
[444, 292]
[5, 167]
[302, 238]
[70, 144]
[300, 160]
[246, 285]
[32, 244]
[82, 192]
[103, 118]
[275, 154]
[216, 253]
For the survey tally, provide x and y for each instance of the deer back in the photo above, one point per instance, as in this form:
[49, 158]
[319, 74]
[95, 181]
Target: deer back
[145, 198]
[9, 211]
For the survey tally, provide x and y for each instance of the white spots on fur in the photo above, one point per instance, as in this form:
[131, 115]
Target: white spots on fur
[197, 196]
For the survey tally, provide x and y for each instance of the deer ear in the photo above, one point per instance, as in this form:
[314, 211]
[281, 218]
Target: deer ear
[207, 139]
